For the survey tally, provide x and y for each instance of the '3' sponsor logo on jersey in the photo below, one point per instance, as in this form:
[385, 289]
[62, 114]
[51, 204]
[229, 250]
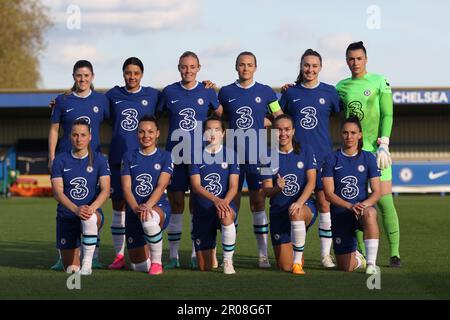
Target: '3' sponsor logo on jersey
[79, 190]
[291, 186]
[310, 120]
[214, 185]
[355, 108]
[130, 122]
[351, 190]
[189, 122]
[144, 188]
[245, 119]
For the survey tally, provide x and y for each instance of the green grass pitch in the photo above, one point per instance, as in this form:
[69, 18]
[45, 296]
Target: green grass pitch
[27, 250]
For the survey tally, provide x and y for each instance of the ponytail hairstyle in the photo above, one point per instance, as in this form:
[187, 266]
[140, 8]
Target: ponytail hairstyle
[133, 61]
[356, 46]
[83, 122]
[80, 64]
[354, 119]
[308, 52]
[295, 143]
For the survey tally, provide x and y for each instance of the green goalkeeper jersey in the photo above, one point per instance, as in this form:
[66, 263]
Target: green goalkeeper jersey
[370, 99]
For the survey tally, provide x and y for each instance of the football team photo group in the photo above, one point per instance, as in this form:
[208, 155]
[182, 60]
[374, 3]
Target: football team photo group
[224, 157]
[221, 143]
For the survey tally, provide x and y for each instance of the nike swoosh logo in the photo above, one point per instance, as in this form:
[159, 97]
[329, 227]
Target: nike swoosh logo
[436, 175]
[133, 166]
[337, 168]
[203, 166]
[275, 170]
[174, 101]
[68, 110]
[295, 100]
[117, 102]
[65, 170]
[231, 100]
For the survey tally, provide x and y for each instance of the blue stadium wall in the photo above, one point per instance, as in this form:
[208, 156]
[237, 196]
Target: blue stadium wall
[420, 140]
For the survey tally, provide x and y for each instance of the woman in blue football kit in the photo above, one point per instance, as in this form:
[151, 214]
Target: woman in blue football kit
[289, 184]
[75, 177]
[81, 102]
[214, 183]
[311, 103]
[127, 105]
[187, 103]
[246, 104]
[345, 176]
[146, 172]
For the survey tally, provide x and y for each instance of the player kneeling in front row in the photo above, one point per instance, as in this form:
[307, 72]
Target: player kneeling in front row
[145, 174]
[346, 175]
[75, 176]
[289, 186]
[214, 183]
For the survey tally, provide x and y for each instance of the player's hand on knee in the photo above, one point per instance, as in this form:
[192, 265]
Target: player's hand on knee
[143, 212]
[84, 212]
[295, 208]
[384, 159]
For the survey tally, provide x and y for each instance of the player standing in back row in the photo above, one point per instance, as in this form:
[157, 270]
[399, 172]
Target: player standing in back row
[369, 97]
[246, 104]
[311, 103]
[187, 103]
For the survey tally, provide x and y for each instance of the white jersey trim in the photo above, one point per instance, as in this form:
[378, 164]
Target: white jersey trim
[349, 156]
[78, 96]
[240, 86]
[80, 158]
[196, 85]
[148, 155]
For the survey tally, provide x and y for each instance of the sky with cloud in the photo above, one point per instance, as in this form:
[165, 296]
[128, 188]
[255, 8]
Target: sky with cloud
[407, 41]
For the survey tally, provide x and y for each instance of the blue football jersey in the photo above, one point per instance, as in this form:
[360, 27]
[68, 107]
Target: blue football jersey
[187, 109]
[94, 109]
[311, 109]
[80, 180]
[292, 167]
[246, 109]
[145, 171]
[126, 108]
[351, 175]
[214, 171]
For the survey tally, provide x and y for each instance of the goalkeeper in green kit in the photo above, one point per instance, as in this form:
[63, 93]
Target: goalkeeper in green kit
[369, 97]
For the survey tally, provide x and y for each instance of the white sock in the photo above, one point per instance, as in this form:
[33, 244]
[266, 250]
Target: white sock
[174, 234]
[298, 238]
[118, 231]
[228, 241]
[371, 250]
[193, 254]
[325, 234]
[141, 267]
[89, 242]
[153, 236]
[261, 230]
[358, 261]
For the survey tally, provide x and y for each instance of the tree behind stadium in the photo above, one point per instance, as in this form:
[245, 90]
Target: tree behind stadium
[22, 27]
